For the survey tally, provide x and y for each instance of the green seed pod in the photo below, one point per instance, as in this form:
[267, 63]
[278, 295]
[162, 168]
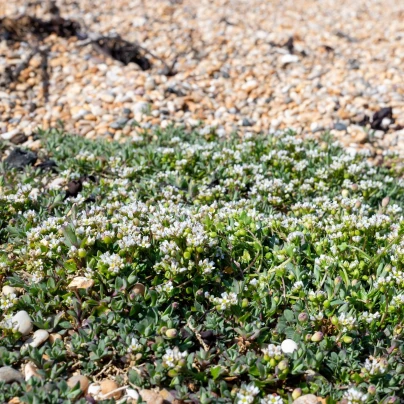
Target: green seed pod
[283, 365]
[187, 255]
[172, 373]
[334, 320]
[272, 362]
[107, 240]
[171, 333]
[303, 317]
[347, 339]
[82, 253]
[296, 393]
[317, 336]
[213, 234]
[245, 303]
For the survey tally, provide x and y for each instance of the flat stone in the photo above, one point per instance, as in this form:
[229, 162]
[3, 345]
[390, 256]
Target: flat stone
[9, 375]
[22, 322]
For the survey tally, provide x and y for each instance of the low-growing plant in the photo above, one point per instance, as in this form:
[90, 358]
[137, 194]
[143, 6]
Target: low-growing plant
[186, 259]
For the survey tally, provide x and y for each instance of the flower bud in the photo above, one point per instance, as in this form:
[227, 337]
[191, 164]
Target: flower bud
[345, 193]
[172, 373]
[303, 317]
[354, 187]
[347, 339]
[171, 333]
[372, 390]
[82, 253]
[308, 337]
[317, 336]
[107, 240]
[283, 365]
[334, 320]
[337, 280]
[296, 393]
[385, 201]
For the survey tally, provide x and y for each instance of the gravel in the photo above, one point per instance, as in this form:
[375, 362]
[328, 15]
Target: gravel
[302, 64]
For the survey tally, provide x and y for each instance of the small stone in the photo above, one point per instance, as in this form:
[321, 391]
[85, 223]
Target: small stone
[340, 126]
[151, 397]
[53, 337]
[245, 122]
[139, 289]
[39, 337]
[249, 85]
[84, 383]
[81, 282]
[8, 290]
[22, 322]
[9, 135]
[288, 346]
[108, 98]
[9, 375]
[30, 370]
[306, 399]
[167, 396]
[108, 386]
[287, 59]
[140, 108]
[94, 390]
[150, 84]
[56, 183]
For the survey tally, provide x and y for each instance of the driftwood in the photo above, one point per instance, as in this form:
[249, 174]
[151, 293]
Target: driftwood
[35, 30]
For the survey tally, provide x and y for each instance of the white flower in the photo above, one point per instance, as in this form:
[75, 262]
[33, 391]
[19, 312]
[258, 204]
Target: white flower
[172, 357]
[271, 399]
[355, 396]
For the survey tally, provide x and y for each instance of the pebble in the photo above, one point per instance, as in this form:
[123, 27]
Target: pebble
[151, 397]
[84, 383]
[22, 322]
[107, 386]
[30, 370]
[340, 126]
[287, 59]
[81, 282]
[288, 346]
[307, 399]
[8, 290]
[53, 337]
[9, 375]
[39, 337]
[108, 98]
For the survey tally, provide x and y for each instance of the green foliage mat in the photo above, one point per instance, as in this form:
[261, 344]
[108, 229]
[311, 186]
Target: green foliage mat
[182, 261]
